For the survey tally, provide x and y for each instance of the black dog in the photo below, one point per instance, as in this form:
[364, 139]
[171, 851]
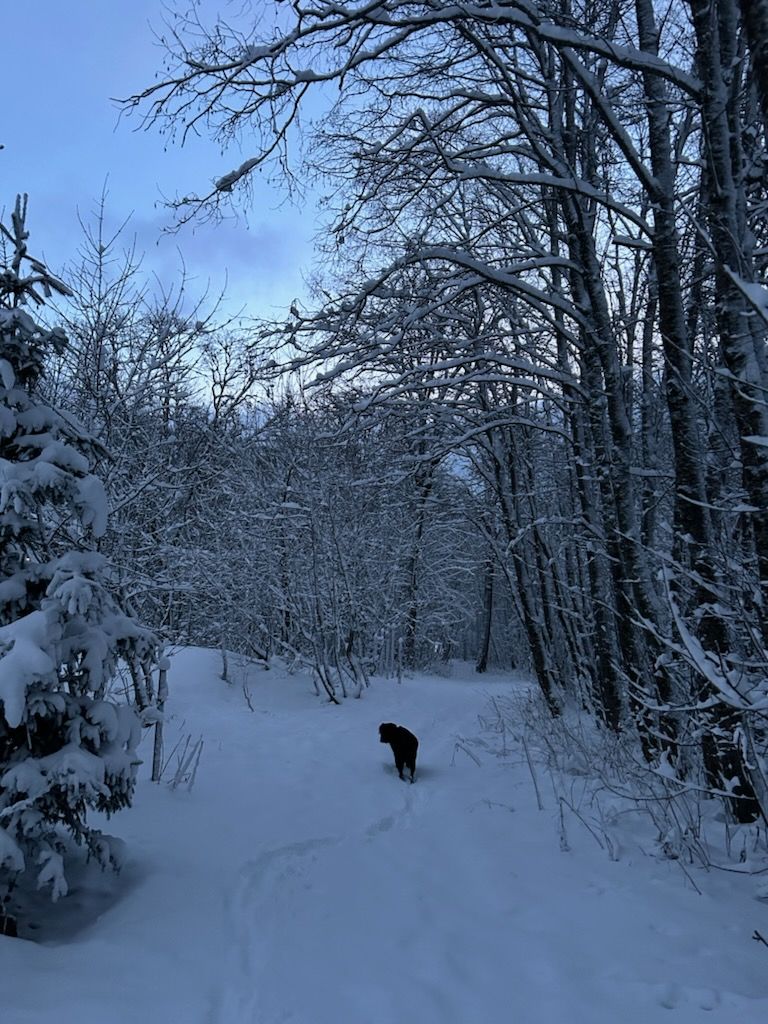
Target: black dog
[404, 746]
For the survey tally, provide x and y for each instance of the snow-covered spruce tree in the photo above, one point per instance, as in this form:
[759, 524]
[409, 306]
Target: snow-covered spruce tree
[65, 746]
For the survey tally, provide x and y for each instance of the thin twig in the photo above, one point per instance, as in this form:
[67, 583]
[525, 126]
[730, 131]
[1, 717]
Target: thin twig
[460, 746]
[532, 771]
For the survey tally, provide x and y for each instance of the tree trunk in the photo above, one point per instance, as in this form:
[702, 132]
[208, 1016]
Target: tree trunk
[692, 520]
[485, 639]
[755, 17]
[742, 332]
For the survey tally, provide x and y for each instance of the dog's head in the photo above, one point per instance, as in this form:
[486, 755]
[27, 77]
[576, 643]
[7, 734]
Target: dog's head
[387, 732]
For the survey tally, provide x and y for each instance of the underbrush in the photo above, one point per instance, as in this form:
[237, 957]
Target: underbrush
[599, 781]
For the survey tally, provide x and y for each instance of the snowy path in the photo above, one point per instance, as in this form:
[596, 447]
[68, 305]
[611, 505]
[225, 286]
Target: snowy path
[302, 883]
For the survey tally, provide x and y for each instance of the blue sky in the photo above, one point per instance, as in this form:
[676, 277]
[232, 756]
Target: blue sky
[63, 60]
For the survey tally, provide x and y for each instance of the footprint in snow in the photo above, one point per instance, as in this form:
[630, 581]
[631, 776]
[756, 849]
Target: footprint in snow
[382, 825]
[672, 995]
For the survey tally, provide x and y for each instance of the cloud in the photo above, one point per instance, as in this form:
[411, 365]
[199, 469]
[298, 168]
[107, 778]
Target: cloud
[261, 264]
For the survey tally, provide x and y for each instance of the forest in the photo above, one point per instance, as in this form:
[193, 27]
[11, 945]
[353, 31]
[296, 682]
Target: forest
[520, 421]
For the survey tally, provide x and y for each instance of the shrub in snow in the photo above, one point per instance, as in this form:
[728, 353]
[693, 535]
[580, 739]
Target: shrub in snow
[65, 746]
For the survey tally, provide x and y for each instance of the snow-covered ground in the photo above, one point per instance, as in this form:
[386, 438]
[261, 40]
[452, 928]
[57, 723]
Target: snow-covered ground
[300, 881]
